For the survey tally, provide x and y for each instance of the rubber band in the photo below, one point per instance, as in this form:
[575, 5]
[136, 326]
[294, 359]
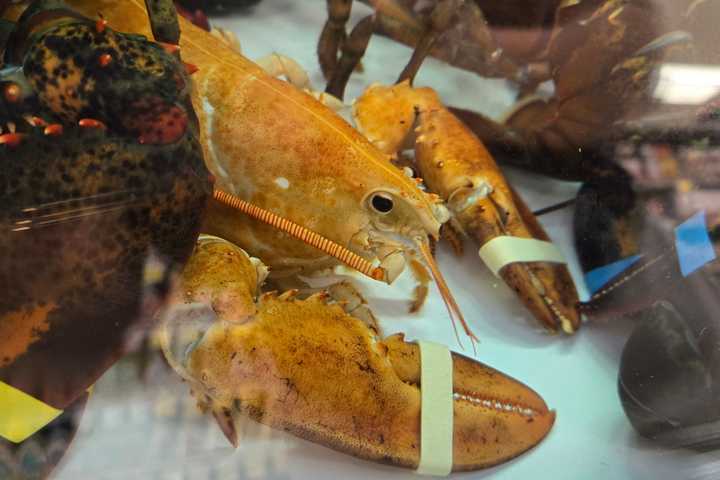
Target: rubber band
[599, 277]
[693, 245]
[504, 250]
[436, 410]
[21, 415]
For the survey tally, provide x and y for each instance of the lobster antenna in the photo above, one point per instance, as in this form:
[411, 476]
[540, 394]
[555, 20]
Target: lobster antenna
[450, 303]
[314, 239]
[554, 208]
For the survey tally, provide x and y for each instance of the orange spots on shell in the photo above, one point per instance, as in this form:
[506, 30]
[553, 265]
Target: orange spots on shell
[11, 139]
[20, 329]
[12, 93]
[54, 129]
[190, 68]
[101, 25]
[37, 122]
[91, 123]
[378, 274]
[105, 59]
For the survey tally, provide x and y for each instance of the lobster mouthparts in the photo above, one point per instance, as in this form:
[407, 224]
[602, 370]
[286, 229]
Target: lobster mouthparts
[310, 368]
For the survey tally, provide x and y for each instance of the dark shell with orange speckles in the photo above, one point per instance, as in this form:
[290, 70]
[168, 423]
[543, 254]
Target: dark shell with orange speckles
[102, 192]
[97, 211]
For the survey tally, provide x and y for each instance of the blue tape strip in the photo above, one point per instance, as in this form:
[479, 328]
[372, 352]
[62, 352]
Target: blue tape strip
[599, 277]
[693, 244]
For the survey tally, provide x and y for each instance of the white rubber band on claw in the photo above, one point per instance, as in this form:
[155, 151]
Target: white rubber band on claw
[504, 250]
[436, 410]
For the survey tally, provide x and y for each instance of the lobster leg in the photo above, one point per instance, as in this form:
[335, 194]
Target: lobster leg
[565, 136]
[469, 44]
[440, 20]
[164, 21]
[353, 50]
[333, 35]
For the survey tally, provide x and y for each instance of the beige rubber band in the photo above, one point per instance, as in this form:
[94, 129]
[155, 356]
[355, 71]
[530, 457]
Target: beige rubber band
[504, 250]
[436, 410]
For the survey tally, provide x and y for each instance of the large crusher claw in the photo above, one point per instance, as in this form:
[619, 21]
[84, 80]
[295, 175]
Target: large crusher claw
[308, 367]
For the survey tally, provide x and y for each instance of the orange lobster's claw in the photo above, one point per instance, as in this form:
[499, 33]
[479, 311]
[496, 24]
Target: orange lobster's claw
[487, 207]
[456, 165]
[275, 364]
[489, 405]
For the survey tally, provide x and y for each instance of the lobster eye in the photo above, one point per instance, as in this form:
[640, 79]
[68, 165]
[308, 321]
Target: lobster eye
[381, 203]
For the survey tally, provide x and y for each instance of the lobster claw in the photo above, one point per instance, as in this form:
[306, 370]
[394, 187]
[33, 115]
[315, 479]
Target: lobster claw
[456, 165]
[274, 366]
[496, 417]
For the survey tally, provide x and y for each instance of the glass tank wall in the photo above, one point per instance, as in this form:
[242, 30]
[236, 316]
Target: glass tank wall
[370, 239]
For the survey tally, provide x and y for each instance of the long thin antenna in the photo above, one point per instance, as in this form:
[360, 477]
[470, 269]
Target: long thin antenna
[554, 208]
[450, 303]
[314, 239]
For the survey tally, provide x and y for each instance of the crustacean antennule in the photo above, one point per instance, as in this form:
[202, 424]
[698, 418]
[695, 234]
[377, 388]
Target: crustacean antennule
[273, 361]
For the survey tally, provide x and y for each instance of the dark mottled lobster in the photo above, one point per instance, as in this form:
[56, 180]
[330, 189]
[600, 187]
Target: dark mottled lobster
[103, 191]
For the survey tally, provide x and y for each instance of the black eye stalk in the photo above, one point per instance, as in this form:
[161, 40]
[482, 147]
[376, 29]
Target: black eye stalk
[382, 203]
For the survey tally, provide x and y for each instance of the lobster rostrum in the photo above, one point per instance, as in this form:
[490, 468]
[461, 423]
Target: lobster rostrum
[269, 356]
[103, 192]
